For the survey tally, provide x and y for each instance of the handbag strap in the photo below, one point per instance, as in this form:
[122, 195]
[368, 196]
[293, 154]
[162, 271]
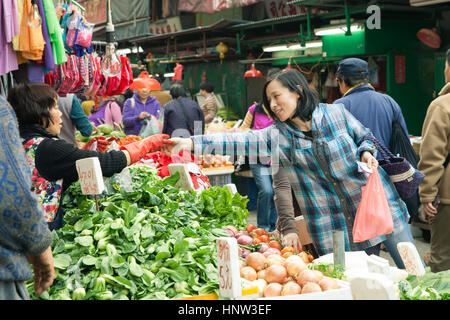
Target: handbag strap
[385, 153]
[186, 117]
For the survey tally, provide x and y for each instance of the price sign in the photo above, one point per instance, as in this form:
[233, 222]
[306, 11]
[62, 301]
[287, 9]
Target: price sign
[228, 265]
[90, 175]
[411, 258]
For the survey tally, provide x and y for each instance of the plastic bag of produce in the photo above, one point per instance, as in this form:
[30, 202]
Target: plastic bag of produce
[373, 217]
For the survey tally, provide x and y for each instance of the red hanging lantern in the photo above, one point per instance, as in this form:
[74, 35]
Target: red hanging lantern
[252, 73]
[288, 67]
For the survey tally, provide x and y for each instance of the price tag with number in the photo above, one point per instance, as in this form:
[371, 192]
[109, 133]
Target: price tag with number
[228, 265]
[90, 175]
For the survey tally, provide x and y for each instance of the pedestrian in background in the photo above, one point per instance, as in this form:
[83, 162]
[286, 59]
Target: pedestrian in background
[210, 106]
[435, 188]
[182, 113]
[74, 118]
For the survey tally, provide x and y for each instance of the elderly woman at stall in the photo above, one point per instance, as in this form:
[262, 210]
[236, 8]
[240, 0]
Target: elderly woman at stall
[141, 105]
[52, 159]
[319, 146]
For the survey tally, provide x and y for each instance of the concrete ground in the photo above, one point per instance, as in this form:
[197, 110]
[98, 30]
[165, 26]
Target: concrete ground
[422, 245]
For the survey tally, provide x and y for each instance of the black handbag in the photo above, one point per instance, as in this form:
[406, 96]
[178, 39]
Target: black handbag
[403, 175]
[400, 145]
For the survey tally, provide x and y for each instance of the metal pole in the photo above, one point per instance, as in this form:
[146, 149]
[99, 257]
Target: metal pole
[339, 248]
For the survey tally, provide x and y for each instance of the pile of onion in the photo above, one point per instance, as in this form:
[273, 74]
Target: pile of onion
[277, 276]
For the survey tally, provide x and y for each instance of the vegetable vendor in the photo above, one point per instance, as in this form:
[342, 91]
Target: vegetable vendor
[52, 159]
[319, 146]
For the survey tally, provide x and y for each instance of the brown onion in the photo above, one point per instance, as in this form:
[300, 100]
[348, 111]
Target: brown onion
[261, 274]
[311, 287]
[248, 273]
[290, 288]
[275, 259]
[328, 284]
[273, 290]
[276, 273]
[307, 276]
[256, 260]
[294, 268]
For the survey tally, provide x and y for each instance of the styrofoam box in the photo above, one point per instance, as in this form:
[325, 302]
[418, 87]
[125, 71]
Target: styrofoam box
[343, 293]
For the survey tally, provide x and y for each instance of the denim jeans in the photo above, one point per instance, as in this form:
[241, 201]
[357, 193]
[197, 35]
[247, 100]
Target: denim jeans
[391, 245]
[266, 213]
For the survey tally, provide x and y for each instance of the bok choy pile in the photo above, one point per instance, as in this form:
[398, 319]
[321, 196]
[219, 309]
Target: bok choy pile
[156, 242]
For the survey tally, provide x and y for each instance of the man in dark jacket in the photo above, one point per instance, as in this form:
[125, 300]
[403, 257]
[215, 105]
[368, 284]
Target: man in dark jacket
[182, 116]
[374, 110]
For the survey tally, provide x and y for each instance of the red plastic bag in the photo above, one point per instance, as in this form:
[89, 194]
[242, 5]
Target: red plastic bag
[373, 217]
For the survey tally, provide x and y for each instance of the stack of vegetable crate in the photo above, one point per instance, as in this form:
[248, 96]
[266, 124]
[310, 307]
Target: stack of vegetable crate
[156, 242]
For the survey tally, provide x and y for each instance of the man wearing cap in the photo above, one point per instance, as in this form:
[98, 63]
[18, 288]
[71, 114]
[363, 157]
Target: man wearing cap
[374, 110]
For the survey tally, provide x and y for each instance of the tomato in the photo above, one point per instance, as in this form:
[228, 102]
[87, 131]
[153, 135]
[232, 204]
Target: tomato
[310, 257]
[275, 244]
[260, 231]
[256, 240]
[264, 238]
[250, 228]
[288, 249]
[287, 254]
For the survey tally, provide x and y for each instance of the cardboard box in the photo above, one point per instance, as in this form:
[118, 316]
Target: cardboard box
[304, 237]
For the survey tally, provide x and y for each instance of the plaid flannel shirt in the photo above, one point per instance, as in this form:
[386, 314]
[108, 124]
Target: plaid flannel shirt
[322, 170]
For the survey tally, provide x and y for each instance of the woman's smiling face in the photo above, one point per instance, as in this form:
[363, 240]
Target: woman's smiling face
[283, 102]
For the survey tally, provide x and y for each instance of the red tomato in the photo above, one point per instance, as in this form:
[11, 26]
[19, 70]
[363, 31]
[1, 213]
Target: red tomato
[250, 228]
[256, 240]
[260, 231]
[275, 244]
[264, 238]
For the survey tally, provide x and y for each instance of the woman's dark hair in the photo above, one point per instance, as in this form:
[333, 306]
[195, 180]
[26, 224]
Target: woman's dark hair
[447, 56]
[292, 79]
[31, 103]
[208, 87]
[177, 90]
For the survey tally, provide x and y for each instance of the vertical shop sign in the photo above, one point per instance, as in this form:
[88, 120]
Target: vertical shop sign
[400, 69]
[228, 267]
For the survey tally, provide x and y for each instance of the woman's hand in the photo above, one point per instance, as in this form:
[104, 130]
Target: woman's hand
[369, 159]
[143, 115]
[179, 144]
[291, 239]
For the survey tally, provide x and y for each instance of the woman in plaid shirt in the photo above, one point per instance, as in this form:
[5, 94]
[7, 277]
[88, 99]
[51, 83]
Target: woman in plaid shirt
[318, 145]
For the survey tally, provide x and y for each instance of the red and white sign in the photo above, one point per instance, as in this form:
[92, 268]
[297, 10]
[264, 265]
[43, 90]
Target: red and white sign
[228, 267]
[211, 6]
[168, 25]
[400, 69]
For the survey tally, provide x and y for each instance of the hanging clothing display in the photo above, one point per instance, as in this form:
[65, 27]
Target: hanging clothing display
[8, 20]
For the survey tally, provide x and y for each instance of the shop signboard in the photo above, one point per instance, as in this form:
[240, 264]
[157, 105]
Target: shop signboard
[165, 26]
[95, 10]
[282, 8]
[400, 69]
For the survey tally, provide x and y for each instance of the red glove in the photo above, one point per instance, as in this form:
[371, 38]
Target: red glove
[102, 144]
[139, 149]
